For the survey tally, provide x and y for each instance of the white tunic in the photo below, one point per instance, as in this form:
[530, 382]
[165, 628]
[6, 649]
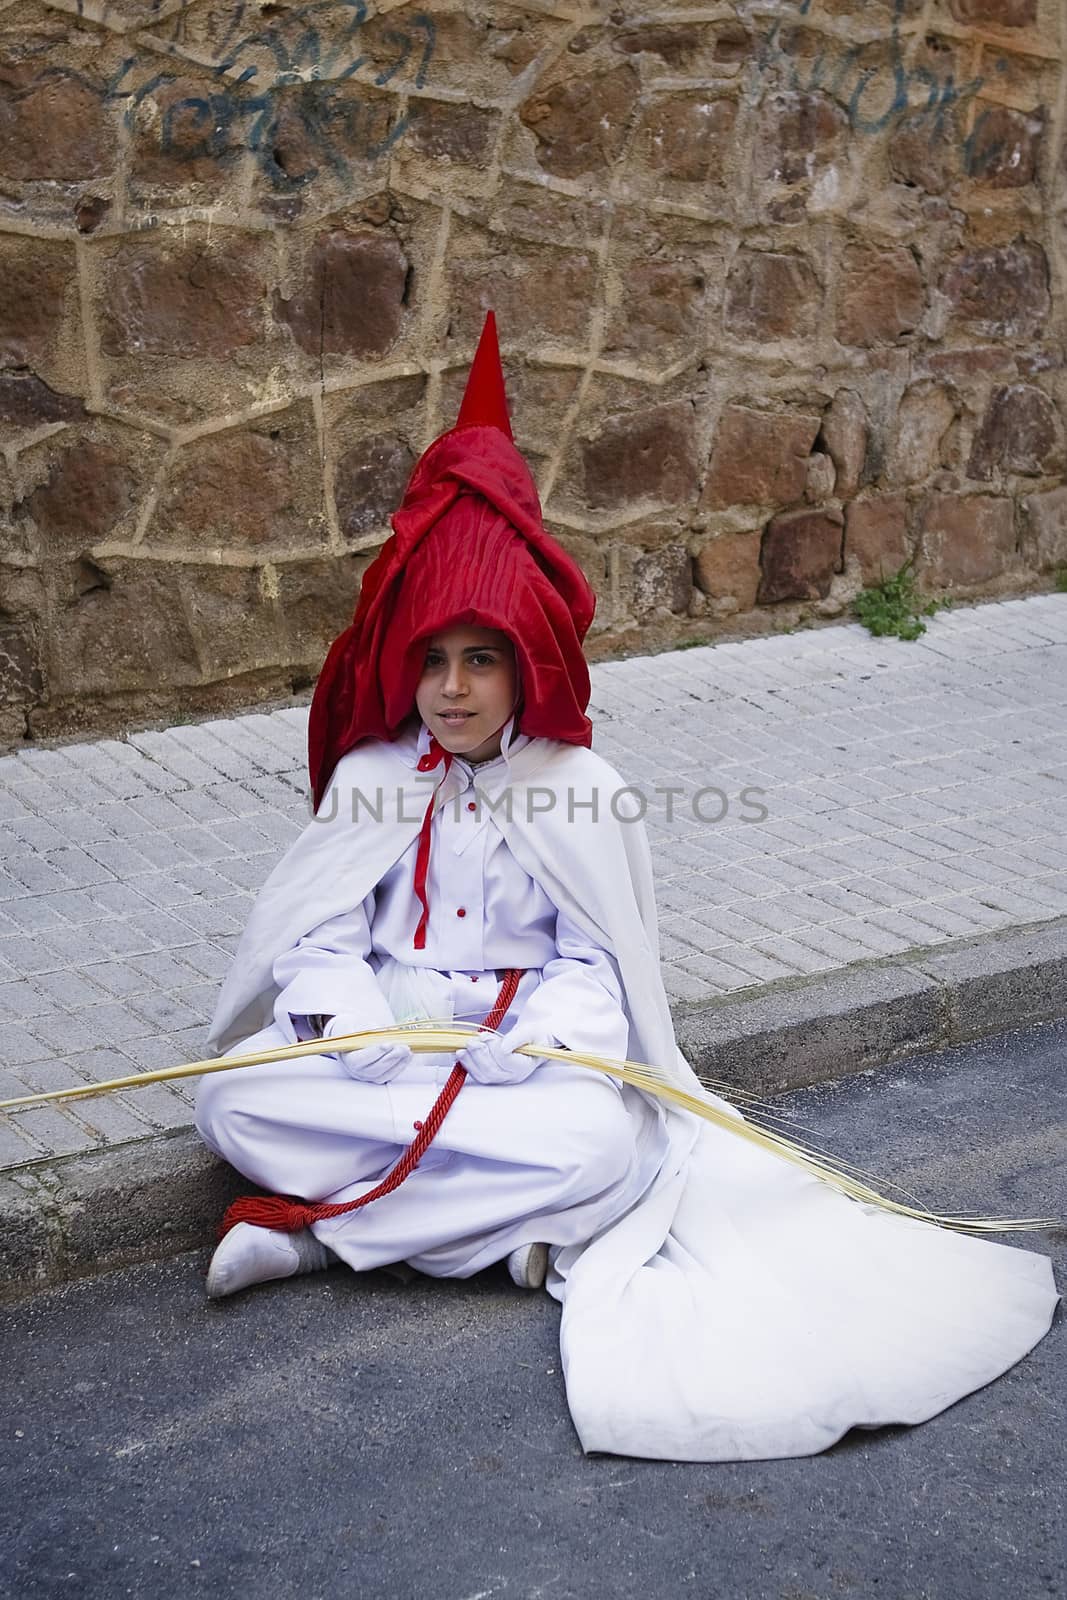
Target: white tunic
[718, 1303]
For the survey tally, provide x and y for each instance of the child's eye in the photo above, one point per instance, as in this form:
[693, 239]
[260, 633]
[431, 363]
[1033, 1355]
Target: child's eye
[484, 658]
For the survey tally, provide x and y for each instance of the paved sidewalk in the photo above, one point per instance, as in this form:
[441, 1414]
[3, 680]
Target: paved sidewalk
[915, 795]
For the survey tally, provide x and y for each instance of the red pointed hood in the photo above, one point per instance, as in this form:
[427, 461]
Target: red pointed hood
[468, 547]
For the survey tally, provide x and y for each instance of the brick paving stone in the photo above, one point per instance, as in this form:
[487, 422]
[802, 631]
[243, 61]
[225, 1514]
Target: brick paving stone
[28, 956]
[214, 918]
[120, 857]
[162, 1105]
[249, 874]
[795, 953]
[114, 1117]
[70, 990]
[157, 813]
[15, 1146]
[112, 1022]
[150, 1053]
[164, 1011]
[53, 1132]
[65, 1032]
[210, 805]
[23, 998]
[203, 844]
[41, 1077]
[207, 959]
[30, 915]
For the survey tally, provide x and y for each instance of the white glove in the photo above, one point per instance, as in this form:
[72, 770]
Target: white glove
[374, 1063]
[490, 1059]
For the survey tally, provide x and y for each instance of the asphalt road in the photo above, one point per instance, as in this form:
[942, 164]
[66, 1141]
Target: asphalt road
[343, 1436]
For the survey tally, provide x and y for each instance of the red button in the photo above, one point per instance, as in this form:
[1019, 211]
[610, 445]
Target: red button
[474, 980]
[472, 805]
[462, 912]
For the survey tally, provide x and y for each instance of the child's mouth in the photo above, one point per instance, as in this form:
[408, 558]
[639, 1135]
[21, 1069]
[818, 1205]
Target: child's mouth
[454, 718]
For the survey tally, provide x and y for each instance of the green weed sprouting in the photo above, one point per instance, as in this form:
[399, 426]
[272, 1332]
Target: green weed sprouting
[893, 607]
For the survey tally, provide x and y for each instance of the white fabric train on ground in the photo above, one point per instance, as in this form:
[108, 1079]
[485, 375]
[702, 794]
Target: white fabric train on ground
[718, 1303]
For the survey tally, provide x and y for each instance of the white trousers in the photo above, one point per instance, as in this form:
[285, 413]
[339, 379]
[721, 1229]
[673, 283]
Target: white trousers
[553, 1159]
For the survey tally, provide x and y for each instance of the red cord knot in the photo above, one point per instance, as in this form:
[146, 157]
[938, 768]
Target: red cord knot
[417, 1126]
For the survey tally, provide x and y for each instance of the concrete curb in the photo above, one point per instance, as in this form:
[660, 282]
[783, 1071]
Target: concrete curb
[70, 1216]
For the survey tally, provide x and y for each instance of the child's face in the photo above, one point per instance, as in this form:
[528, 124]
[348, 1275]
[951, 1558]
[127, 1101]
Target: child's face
[468, 689]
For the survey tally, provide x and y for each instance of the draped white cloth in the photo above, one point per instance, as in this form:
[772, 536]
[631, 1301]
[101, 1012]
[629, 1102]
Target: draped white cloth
[718, 1303]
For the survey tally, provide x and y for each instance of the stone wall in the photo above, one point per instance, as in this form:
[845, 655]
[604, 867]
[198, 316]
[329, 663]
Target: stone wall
[780, 291]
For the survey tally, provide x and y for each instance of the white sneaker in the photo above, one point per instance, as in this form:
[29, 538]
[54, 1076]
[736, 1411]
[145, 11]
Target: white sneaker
[249, 1254]
[528, 1266]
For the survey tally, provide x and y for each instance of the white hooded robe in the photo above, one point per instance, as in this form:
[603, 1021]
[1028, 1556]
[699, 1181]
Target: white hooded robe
[740, 1309]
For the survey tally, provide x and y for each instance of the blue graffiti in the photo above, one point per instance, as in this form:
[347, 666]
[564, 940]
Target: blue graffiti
[942, 96]
[205, 124]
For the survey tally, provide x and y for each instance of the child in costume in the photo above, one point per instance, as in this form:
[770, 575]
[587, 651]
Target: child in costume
[717, 1303]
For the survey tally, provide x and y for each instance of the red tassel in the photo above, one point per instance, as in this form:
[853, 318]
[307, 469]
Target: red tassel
[285, 1213]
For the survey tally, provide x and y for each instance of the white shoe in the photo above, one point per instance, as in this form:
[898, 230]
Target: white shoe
[249, 1254]
[528, 1266]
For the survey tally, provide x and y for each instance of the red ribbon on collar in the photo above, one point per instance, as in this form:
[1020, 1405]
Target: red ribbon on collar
[422, 856]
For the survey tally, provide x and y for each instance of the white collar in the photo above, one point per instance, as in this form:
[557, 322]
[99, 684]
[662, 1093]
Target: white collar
[510, 743]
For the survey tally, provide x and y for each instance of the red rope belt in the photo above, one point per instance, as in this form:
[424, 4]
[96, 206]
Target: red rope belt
[288, 1213]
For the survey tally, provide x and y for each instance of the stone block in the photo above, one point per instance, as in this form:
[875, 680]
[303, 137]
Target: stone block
[759, 458]
[1001, 13]
[121, 633]
[580, 124]
[678, 45]
[876, 533]
[920, 156]
[455, 132]
[26, 401]
[353, 297]
[54, 128]
[770, 295]
[1004, 147]
[661, 310]
[40, 279]
[317, 599]
[247, 488]
[966, 539]
[370, 483]
[1046, 516]
[537, 293]
[91, 490]
[233, 613]
[801, 551]
[728, 570]
[844, 432]
[645, 455]
[1000, 290]
[801, 135]
[180, 296]
[880, 295]
[820, 480]
[926, 413]
[21, 682]
[662, 580]
[686, 138]
[184, 132]
[1020, 432]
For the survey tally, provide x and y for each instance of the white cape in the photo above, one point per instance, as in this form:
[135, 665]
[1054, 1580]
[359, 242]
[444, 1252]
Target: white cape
[741, 1309]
